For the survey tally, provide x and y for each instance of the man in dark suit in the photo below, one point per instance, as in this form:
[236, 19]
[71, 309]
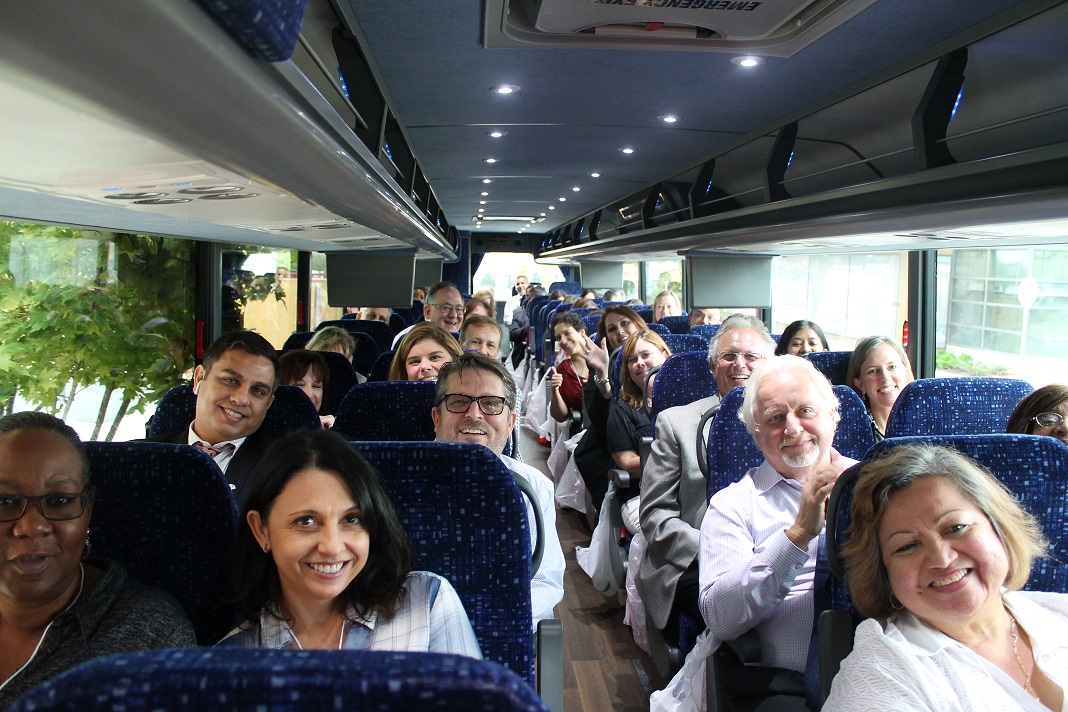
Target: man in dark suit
[234, 387]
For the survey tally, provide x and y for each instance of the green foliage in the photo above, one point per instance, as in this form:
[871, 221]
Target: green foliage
[967, 365]
[78, 308]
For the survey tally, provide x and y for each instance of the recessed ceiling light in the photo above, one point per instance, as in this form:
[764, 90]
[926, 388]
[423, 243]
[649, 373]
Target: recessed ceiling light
[576, 189]
[543, 214]
[486, 180]
[627, 150]
[668, 118]
[748, 61]
[497, 133]
[491, 160]
[481, 210]
[482, 202]
[552, 207]
[563, 199]
[505, 89]
[484, 193]
[595, 175]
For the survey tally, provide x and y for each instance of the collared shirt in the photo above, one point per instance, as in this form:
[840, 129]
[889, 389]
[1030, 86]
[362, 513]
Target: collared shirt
[431, 619]
[752, 575]
[223, 458]
[912, 666]
[547, 585]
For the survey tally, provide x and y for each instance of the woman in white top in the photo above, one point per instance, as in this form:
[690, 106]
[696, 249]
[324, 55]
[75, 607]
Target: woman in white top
[937, 551]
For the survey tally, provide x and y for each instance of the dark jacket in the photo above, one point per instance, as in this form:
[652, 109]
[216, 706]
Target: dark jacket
[242, 466]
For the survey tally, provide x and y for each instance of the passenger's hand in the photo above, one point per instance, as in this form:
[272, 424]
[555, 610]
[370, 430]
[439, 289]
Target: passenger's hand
[812, 513]
[596, 356]
[327, 421]
[557, 379]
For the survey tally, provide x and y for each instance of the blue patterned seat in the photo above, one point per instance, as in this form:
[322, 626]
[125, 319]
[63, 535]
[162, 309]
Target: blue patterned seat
[387, 410]
[291, 410]
[677, 323]
[683, 378]
[706, 330]
[658, 328]
[267, 28]
[567, 286]
[297, 340]
[645, 313]
[342, 378]
[591, 321]
[255, 680]
[167, 514]
[378, 330]
[955, 406]
[380, 370]
[832, 364]
[686, 343]
[467, 521]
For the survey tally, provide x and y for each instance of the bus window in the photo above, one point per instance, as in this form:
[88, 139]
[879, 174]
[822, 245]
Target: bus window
[849, 295]
[660, 276]
[498, 270]
[259, 291]
[320, 310]
[94, 326]
[632, 278]
[1002, 313]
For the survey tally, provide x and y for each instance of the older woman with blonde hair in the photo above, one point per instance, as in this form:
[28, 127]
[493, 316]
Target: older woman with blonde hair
[937, 552]
[422, 352]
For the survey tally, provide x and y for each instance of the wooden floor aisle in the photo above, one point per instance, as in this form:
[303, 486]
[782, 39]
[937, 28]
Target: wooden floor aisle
[599, 651]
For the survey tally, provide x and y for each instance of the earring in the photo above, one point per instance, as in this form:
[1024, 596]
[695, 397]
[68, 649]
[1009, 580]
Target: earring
[88, 550]
[264, 548]
[893, 600]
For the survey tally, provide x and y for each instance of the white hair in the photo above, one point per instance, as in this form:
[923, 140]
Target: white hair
[779, 364]
[740, 321]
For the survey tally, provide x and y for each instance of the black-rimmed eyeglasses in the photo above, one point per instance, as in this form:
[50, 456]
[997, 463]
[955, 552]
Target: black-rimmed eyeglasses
[1049, 420]
[55, 506]
[489, 405]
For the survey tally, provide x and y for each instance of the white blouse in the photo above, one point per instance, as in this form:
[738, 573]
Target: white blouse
[911, 666]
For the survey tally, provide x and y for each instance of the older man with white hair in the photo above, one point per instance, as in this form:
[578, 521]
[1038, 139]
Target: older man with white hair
[760, 535]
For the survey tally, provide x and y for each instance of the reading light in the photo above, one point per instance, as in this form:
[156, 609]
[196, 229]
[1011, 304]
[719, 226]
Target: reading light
[491, 160]
[595, 175]
[627, 150]
[576, 189]
[748, 61]
[486, 180]
[668, 118]
[497, 133]
[505, 89]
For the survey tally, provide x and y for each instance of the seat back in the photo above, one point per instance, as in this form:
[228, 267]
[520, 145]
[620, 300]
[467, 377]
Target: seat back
[380, 370]
[366, 353]
[378, 330]
[832, 364]
[291, 410]
[677, 323]
[297, 340]
[342, 378]
[387, 410]
[687, 343]
[398, 321]
[658, 328]
[568, 286]
[683, 378]
[467, 521]
[646, 313]
[167, 514]
[591, 321]
[853, 437]
[955, 406]
[706, 330]
[254, 679]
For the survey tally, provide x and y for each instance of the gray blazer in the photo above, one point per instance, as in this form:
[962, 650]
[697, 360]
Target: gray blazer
[673, 502]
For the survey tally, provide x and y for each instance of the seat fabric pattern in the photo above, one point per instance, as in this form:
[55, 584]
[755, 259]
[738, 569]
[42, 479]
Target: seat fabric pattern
[677, 323]
[253, 680]
[267, 28]
[706, 330]
[832, 364]
[687, 343]
[167, 514]
[684, 378]
[291, 410]
[567, 286]
[378, 330]
[467, 520]
[955, 406]
[380, 370]
[387, 410]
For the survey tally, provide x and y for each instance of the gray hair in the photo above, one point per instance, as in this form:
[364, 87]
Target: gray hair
[468, 361]
[614, 295]
[741, 321]
[778, 364]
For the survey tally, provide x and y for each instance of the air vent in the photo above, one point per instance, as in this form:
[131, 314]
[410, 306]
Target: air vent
[777, 28]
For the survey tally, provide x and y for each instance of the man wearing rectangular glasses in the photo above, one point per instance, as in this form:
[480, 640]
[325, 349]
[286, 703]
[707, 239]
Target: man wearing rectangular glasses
[444, 306]
[475, 403]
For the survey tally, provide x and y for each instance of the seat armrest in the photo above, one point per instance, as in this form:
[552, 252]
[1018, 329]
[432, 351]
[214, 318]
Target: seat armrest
[645, 448]
[836, 629]
[620, 476]
[549, 656]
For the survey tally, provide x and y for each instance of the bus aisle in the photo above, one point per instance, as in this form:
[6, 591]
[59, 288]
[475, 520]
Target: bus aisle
[599, 651]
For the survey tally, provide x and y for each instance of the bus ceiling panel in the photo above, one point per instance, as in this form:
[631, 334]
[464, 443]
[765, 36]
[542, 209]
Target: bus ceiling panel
[1025, 187]
[160, 84]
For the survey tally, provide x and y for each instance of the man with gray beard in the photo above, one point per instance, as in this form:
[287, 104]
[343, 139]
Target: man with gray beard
[760, 535]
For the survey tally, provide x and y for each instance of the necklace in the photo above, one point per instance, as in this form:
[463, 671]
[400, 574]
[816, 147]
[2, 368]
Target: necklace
[340, 640]
[1016, 653]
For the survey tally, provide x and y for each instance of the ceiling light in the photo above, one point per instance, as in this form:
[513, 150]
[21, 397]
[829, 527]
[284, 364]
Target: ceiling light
[486, 180]
[627, 150]
[484, 193]
[481, 210]
[563, 199]
[497, 133]
[505, 89]
[491, 160]
[668, 118]
[576, 189]
[748, 61]
[595, 175]
[543, 214]
[552, 207]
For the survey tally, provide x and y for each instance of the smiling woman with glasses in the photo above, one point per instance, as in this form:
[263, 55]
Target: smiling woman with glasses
[1042, 412]
[59, 607]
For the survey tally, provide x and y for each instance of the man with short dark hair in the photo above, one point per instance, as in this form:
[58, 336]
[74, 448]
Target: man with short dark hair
[475, 403]
[444, 306]
[234, 387]
[481, 334]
